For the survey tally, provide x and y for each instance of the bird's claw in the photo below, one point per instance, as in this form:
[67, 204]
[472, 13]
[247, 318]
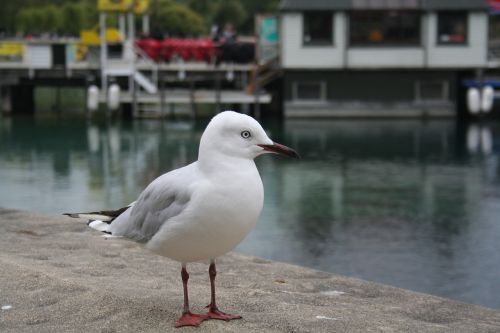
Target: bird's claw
[214, 313]
[191, 319]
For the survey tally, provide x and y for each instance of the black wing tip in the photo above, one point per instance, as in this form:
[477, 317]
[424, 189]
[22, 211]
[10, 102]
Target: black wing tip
[111, 214]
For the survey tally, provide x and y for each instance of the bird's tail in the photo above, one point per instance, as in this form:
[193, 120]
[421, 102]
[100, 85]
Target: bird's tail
[99, 220]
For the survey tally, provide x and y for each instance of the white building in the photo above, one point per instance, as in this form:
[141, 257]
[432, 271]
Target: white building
[380, 57]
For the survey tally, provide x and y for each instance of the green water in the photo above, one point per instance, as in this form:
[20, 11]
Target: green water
[408, 203]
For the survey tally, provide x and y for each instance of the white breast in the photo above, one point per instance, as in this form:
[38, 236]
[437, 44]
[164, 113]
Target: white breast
[217, 219]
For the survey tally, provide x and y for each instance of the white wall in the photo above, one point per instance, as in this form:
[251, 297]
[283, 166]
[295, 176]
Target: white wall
[473, 54]
[429, 55]
[385, 57]
[38, 56]
[295, 55]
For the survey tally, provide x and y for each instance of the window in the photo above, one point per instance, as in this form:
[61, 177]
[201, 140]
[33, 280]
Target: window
[382, 27]
[309, 91]
[452, 28]
[318, 28]
[432, 91]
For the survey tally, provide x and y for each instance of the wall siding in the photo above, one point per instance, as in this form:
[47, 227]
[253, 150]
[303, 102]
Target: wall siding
[474, 54]
[371, 86]
[295, 55]
[430, 55]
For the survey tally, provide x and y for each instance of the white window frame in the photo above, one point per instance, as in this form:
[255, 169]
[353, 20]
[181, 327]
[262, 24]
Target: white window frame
[445, 91]
[322, 91]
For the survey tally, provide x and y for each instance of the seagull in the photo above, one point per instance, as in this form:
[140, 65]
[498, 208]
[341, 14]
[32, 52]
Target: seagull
[203, 210]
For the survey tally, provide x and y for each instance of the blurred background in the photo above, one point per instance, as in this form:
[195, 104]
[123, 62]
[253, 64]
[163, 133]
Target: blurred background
[392, 105]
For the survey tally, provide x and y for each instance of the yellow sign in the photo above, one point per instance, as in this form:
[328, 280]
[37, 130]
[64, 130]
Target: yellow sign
[141, 6]
[11, 49]
[114, 5]
[91, 37]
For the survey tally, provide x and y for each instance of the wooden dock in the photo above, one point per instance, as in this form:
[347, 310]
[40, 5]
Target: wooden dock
[202, 96]
[143, 83]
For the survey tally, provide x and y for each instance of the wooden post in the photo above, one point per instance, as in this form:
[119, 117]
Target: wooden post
[122, 25]
[191, 96]
[104, 52]
[133, 89]
[131, 42]
[145, 24]
[217, 92]
[257, 98]
[161, 85]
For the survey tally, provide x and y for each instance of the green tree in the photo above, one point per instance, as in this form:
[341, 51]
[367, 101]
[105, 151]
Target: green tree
[229, 11]
[69, 18]
[176, 19]
[90, 16]
[202, 7]
[28, 19]
[72, 18]
[255, 7]
[52, 18]
[173, 16]
[39, 19]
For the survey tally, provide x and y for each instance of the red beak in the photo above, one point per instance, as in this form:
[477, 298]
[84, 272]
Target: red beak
[280, 149]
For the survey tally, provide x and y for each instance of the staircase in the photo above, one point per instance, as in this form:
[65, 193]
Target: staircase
[116, 68]
[145, 83]
[263, 75]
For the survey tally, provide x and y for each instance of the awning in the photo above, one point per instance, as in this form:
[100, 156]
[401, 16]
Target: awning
[345, 5]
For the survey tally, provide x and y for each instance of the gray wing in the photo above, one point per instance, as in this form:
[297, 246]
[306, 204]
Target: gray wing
[166, 197]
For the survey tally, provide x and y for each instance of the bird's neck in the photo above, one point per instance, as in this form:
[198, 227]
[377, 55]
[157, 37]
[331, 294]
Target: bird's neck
[221, 164]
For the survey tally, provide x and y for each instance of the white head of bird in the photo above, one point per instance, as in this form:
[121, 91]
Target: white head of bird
[239, 136]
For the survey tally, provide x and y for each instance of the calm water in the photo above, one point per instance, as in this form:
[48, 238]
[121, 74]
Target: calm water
[407, 203]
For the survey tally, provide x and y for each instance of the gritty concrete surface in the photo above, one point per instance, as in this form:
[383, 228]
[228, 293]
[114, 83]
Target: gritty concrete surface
[57, 275]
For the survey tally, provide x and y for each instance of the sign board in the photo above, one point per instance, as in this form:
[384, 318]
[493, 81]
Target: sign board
[91, 36]
[114, 5]
[268, 30]
[11, 49]
[268, 46]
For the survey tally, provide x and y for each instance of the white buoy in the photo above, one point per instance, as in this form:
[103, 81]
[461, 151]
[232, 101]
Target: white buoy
[181, 74]
[473, 137]
[473, 100]
[92, 98]
[114, 97]
[486, 141]
[487, 98]
[230, 73]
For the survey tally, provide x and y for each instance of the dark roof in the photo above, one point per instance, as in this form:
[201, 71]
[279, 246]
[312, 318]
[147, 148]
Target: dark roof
[455, 4]
[301, 5]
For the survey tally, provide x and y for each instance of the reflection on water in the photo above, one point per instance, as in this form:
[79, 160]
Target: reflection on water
[406, 203]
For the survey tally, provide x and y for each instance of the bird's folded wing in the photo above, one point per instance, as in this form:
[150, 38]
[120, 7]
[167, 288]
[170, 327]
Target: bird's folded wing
[165, 198]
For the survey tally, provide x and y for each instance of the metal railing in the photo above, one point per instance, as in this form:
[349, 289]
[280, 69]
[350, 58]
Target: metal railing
[149, 62]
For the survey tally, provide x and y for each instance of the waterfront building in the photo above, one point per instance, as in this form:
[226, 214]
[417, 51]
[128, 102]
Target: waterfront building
[394, 58]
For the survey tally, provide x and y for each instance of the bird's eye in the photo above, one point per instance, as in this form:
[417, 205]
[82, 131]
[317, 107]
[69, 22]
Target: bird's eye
[246, 134]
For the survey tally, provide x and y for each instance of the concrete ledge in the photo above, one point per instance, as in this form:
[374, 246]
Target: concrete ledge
[367, 110]
[59, 276]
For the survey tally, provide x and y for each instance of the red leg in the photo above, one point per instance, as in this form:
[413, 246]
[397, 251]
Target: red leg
[213, 311]
[188, 318]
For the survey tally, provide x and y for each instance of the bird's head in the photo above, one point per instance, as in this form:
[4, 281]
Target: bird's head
[237, 135]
